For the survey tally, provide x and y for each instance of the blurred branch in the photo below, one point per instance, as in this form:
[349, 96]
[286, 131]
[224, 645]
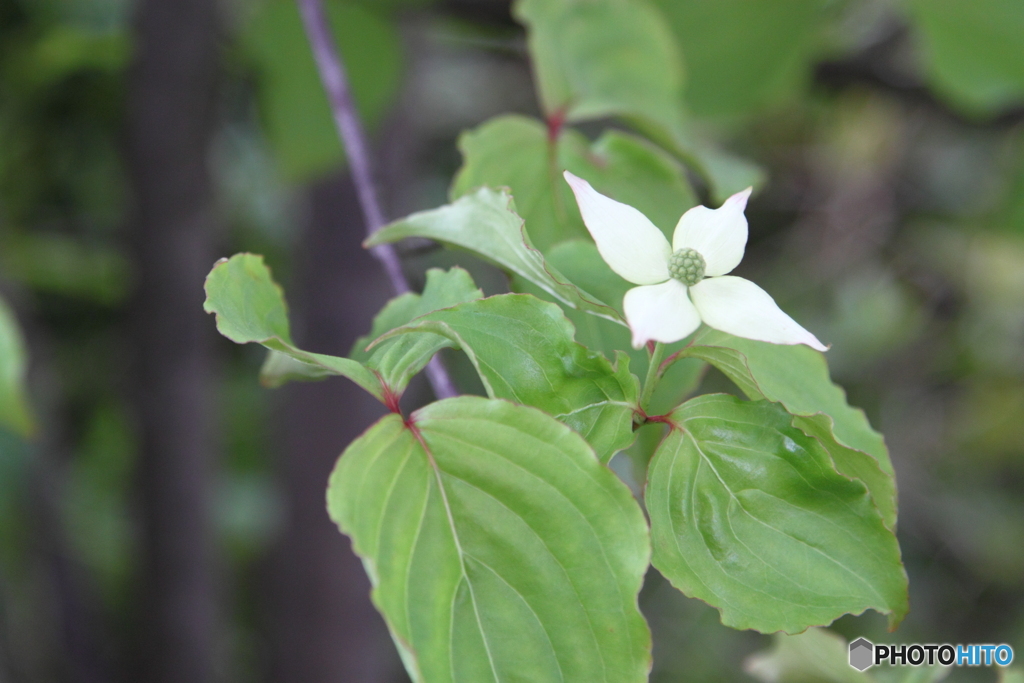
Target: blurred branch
[335, 81]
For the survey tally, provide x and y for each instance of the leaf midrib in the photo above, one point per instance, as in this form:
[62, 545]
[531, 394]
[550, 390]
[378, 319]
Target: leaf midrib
[739, 503]
[540, 538]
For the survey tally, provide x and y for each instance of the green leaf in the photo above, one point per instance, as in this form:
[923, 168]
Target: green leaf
[498, 547]
[443, 289]
[516, 152]
[295, 112]
[486, 223]
[853, 463]
[815, 656]
[973, 51]
[633, 171]
[248, 304]
[250, 307]
[580, 261]
[599, 58]
[797, 377]
[742, 55]
[279, 368]
[523, 350]
[397, 360]
[14, 408]
[749, 515]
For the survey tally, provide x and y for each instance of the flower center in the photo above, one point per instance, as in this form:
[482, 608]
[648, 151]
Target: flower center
[687, 266]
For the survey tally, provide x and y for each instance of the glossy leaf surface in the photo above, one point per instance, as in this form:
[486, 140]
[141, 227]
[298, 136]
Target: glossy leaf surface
[498, 547]
[798, 378]
[749, 515]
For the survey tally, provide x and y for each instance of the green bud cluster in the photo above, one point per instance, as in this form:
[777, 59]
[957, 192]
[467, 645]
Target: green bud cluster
[687, 266]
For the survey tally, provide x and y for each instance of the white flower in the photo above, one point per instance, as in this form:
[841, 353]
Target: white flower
[685, 283]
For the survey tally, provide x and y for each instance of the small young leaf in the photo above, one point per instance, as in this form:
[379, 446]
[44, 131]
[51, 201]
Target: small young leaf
[485, 222]
[749, 515]
[397, 360]
[524, 351]
[250, 307]
[443, 289]
[498, 547]
[14, 409]
[248, 304]
[798, 378]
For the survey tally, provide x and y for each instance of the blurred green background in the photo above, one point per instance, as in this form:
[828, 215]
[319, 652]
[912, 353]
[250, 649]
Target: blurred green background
[161, 514]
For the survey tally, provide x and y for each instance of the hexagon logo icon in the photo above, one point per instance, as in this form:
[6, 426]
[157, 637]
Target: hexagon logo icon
[861, 654]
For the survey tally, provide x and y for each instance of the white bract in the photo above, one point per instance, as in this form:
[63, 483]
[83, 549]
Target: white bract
[685, 283]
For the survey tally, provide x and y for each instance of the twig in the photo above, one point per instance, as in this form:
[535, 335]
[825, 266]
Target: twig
[332, 75]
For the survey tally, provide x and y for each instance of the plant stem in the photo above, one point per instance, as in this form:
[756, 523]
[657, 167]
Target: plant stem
[335, 82]
[651, 381]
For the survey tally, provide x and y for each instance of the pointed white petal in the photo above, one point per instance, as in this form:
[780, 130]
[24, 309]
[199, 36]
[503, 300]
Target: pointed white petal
[627, 240]
[662, 312]
[720, 235]
[737, 306]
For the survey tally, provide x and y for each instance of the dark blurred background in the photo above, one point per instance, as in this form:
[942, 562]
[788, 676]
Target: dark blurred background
[166, 521]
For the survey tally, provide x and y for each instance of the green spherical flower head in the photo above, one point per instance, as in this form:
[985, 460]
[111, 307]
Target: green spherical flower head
[687, 266]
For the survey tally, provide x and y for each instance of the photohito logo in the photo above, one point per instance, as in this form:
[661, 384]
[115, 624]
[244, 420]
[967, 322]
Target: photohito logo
[865, 654]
